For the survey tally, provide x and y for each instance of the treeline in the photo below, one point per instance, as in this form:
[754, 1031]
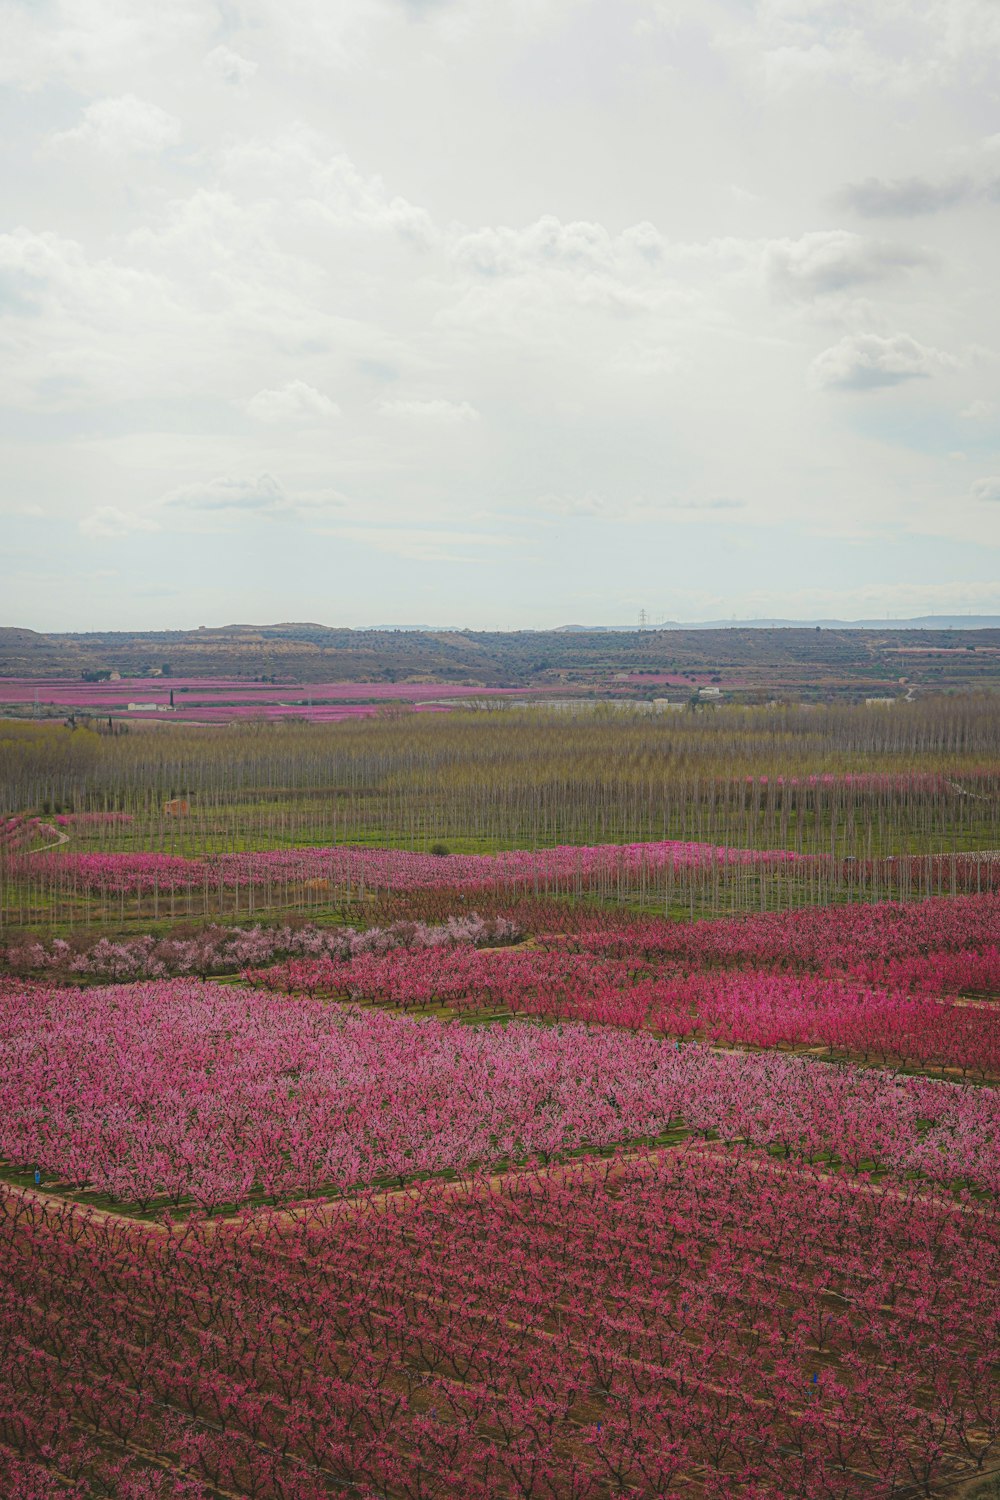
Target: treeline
[65, 764]
[855, 787]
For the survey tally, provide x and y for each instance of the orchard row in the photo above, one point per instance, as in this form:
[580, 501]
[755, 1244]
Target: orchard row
[222, 950]
[850, 1017]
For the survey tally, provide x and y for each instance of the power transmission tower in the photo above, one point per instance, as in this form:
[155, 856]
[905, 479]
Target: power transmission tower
[643, 619]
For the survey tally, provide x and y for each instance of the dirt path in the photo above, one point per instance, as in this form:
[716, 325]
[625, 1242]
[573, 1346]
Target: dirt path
[84, 1210]
[60, 838]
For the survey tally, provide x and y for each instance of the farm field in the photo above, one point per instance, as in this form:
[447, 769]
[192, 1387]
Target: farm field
[850, 1016]
[818, 805]
[688, 1322]
[212, 700]
[509, 1105]
[200, 1093]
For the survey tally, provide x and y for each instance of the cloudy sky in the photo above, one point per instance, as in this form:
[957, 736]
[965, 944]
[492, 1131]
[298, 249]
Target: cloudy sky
[498, 313]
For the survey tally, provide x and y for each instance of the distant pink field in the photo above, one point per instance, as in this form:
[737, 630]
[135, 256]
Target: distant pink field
[220, 699]
[563, 868]
[216, 700]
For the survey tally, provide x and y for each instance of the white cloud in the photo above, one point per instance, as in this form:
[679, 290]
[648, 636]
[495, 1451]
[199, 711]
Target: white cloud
[905, 197]
[550, 244]
[834, 261]
[230, 67]
[326, 187]
[123, 126]
[61, 270]
[987, 489]
[866, 361]
[509, 276]
[95, 328]
[435, 412]
[295, 402]
[898, 45]
[228, 493]
[316, 36]
[979, 410]
[108, 521]
[83, 41]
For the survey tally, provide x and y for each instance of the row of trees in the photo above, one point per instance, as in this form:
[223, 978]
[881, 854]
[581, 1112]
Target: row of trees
[848, 1016]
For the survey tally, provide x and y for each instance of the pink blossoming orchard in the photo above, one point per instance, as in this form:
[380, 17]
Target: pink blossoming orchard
[501, 1106]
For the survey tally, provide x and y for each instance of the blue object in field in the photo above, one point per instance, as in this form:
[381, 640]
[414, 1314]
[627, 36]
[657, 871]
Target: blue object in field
[38, 1177]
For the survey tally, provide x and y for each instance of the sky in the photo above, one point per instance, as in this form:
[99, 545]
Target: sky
[498, 313]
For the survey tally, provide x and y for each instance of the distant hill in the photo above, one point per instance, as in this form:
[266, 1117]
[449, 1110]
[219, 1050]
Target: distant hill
[753, 660]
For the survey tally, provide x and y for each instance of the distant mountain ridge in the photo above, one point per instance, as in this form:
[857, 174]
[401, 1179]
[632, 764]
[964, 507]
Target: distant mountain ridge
[916, 622]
